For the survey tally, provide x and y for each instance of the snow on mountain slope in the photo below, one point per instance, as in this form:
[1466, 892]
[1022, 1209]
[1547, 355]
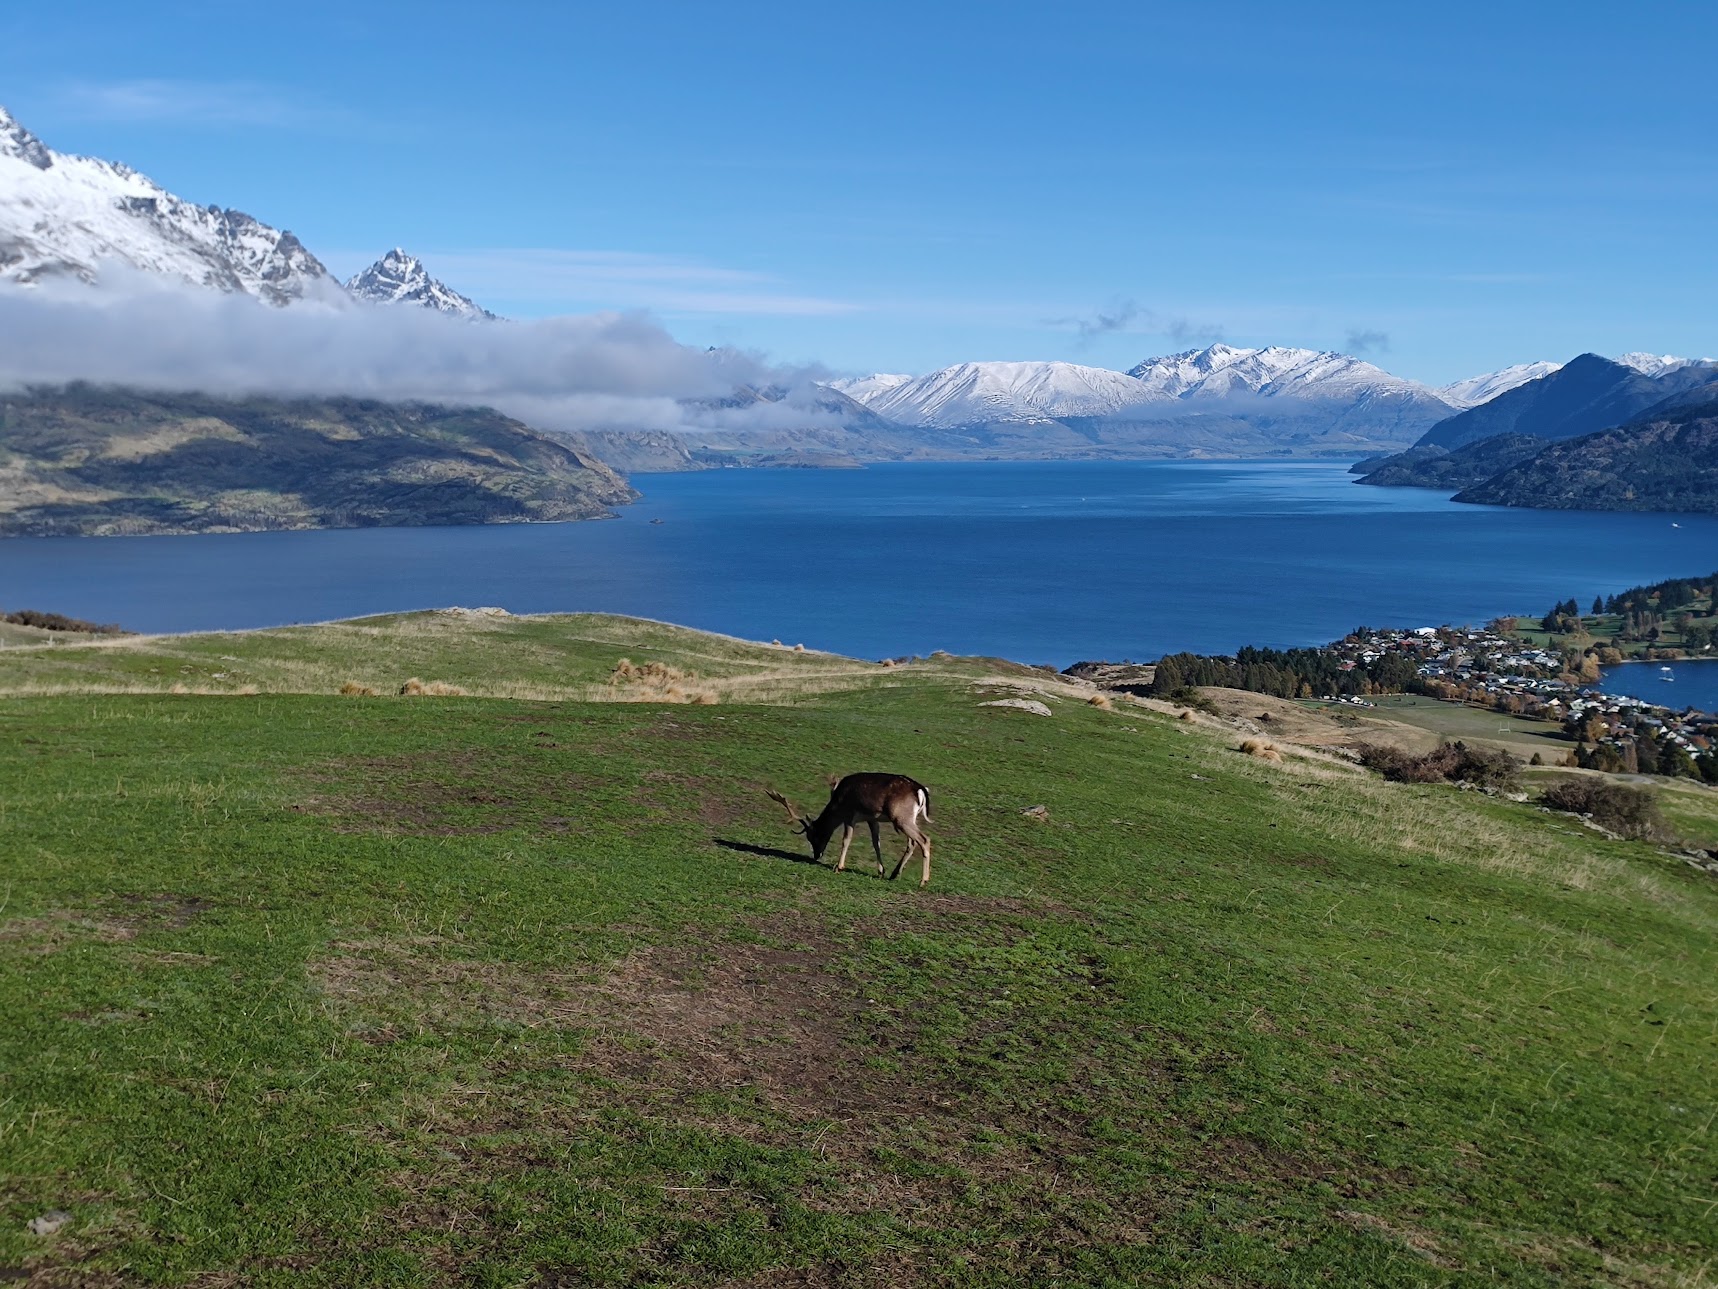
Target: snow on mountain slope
[398, 278]
[1223, 371]
[988, 392]
[64, 216]
[1653, 364]
[1473, 391]
[863, 389]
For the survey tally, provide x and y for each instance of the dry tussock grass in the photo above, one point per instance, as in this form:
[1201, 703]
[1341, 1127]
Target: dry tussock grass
[352, 689]
[1261, 749]
[656, 682]
[1102, 701]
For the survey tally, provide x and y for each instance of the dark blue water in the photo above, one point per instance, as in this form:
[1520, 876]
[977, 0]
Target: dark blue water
[1695, 684]
[1039, 562]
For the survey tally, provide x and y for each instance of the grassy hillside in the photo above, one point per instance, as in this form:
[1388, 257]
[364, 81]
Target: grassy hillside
[99, 461]
[538, 989]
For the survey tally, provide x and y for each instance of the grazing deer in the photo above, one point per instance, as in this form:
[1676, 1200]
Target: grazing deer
[874, 798]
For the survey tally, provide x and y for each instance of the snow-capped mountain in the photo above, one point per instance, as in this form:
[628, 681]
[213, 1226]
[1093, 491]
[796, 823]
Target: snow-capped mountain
[1473, 391]
[398, 278]
[1225, 372]
[864, 388]
[995, 392]
[68, 216]
[1255, 399]
[1654, 364]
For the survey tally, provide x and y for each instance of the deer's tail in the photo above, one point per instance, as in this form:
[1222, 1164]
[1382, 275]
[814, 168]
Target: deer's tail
[925, 805]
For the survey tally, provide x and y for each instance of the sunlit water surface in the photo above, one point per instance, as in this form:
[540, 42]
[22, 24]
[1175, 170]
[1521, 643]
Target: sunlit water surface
[1039, 562]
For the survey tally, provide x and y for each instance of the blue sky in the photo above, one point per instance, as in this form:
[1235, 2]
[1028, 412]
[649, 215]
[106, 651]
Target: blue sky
[1446, 189]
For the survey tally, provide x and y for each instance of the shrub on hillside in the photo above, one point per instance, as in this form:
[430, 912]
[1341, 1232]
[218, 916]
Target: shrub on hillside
[1188, 696]
[1632, 812]
[60, 622]
[1488, 768]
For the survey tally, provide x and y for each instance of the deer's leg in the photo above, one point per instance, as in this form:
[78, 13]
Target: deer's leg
[846, 841]
[877, 845]
[905, 856]
[925, 845]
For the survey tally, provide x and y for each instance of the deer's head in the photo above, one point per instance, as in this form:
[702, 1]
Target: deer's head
[807, 828]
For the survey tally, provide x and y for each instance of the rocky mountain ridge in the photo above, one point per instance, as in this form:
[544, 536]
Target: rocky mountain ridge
[64, 216]
[399, 278]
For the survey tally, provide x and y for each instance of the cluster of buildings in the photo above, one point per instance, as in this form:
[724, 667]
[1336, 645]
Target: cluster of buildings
[1484, 665]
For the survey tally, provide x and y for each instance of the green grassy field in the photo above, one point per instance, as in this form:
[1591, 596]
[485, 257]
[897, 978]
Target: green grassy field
[537, 988]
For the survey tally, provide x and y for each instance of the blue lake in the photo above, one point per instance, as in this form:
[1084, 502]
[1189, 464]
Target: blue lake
[1693, 683]
[1038, 562]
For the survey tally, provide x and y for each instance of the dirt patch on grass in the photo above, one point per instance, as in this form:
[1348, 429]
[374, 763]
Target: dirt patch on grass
[457, 794]
[118, 921]
[163, 912]
[711, 802]
[60, 929]
[786, 1044]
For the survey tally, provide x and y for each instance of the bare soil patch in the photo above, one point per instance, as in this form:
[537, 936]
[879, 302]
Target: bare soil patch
[444, 795]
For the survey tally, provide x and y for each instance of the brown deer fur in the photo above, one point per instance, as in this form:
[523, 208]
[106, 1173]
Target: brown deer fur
[872, 799]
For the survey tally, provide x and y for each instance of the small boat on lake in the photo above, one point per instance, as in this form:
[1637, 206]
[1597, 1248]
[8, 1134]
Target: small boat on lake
[1665, 673]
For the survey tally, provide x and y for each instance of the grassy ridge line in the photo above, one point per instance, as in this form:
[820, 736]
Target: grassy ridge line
[306, 990]
[551, 657]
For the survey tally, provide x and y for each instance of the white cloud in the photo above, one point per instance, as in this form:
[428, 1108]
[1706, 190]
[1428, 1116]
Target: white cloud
[619, 370]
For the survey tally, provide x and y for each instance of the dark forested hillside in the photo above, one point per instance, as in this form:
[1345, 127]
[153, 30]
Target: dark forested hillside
[1667, 465]
[1466, 466]
[87, 460]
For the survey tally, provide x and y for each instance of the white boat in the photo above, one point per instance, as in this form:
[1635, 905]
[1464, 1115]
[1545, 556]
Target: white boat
[1665, 673]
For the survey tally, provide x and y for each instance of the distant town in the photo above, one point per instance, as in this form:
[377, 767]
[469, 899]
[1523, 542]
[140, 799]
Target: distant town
[1538, 668]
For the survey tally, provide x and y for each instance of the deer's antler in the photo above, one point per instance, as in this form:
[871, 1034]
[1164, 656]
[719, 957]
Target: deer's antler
[794, 815]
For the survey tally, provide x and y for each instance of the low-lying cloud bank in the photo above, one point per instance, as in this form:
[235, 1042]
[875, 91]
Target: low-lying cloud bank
[600, 371]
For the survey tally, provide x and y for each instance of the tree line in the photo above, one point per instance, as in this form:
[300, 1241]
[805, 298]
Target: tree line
[1285, 673]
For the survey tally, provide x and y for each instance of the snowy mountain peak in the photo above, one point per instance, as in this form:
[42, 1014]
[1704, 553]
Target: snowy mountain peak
[994, 392]
[1475, 390]
[17, 142]
[68, 216]
[862, 389]
[1652, 364]
[1224, 371]
[398, 278]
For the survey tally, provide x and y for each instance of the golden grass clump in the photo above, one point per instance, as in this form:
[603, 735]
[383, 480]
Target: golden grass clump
[657, 682]
[1102, 701]
[430, 689]
[648, 675]
[1263, 749]
[352, 689]
[1186, 714]
[179, 687]
[799, 648]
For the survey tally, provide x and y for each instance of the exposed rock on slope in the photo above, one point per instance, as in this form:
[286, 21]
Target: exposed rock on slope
[398, 278]
[82, 460]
